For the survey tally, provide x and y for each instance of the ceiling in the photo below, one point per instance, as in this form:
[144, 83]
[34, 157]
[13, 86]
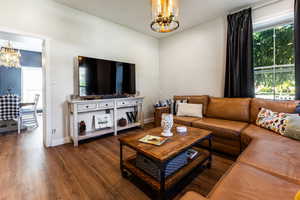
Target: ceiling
[136, 14]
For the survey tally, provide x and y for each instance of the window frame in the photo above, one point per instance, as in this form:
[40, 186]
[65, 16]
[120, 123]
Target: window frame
[274, 66]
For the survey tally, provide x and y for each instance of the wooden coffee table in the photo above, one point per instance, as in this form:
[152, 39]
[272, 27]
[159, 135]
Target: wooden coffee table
[160, 155]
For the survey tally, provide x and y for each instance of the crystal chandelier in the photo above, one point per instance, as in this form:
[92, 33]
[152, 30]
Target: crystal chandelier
[164, 15]
[9, 57]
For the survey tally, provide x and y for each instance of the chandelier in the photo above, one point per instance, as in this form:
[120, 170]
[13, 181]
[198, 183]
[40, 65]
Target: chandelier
[9, 57]
[164, 15]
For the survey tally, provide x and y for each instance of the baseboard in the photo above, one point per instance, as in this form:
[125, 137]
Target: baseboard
[60, 141]
[149, 120]
[66, 140]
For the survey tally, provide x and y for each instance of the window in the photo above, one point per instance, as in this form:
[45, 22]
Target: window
[274, 63]
[83, 81]
[32, 84]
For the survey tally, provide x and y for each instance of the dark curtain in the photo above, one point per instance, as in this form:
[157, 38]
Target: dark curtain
[297, 47]
[239, 79]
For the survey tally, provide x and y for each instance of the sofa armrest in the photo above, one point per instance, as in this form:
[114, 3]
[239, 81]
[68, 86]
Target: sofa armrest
[193, 196]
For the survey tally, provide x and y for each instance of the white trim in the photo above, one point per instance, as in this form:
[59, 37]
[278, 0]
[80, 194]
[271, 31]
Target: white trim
[271, 22]
[60, 141]
[149, 120]
[47, 112]
[273, 66]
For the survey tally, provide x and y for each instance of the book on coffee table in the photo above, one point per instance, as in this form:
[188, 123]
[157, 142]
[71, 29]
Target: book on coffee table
[191, 153]
[155, 140]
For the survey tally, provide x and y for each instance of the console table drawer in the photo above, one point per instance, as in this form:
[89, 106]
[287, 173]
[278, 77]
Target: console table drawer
[129, 103]
[106, 105]
[86, 107]
[123, 103]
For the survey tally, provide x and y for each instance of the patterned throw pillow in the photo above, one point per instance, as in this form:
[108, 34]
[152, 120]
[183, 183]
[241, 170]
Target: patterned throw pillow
[274, 121]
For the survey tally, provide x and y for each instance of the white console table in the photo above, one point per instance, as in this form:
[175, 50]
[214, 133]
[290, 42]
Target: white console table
[84, 110]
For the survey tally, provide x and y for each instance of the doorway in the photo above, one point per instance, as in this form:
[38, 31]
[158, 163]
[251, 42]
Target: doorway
[28, 82]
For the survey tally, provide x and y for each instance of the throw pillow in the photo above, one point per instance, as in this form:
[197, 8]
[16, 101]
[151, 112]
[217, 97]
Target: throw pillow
[200, 100]
[189, 110]
[163, 103]
[293, 127]
[274, 121]
[175, 109]
[298, 109]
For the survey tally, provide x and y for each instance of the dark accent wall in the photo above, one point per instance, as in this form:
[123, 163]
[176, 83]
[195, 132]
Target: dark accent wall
[10, 78]
[31, 59]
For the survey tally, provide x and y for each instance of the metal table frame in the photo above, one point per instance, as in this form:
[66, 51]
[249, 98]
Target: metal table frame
[162, 164]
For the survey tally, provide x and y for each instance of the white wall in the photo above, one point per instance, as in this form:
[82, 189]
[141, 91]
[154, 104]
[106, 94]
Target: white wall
[72, 33]
[193, 61]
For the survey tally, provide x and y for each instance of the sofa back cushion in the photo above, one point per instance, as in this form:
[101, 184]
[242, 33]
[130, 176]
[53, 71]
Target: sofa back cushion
[276, 106]
[200, 100]
[195, 99]
[236, 109]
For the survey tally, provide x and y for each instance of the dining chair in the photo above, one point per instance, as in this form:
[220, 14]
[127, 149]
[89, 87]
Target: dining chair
[29, 114]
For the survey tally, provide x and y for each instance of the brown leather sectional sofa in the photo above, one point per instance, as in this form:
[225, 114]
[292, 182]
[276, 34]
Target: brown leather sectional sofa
[268, 166]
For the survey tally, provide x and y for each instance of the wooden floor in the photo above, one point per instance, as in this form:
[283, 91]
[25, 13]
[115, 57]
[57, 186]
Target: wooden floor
[29, 171]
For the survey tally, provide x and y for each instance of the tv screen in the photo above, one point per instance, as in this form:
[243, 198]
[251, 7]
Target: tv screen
[105, 77]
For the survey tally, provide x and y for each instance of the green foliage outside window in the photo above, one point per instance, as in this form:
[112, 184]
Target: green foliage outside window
[274, 62]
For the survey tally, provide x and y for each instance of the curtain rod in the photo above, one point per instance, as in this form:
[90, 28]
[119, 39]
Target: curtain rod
[256, 7]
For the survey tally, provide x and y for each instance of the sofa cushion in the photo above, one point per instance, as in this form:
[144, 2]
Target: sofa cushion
[192, 196]
[221, 128]
[186, 121]
[247, 182]
[236, 109]
[228, 146]
[276, 106]
[181, 98]
[200, 100]
[279, 156]
[255, 132]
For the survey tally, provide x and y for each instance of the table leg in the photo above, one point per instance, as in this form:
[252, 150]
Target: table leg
[162, 191]
[210, 153]
[121, 160]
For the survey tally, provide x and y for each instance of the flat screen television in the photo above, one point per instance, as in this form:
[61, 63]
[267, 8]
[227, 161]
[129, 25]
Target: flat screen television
[98, 77]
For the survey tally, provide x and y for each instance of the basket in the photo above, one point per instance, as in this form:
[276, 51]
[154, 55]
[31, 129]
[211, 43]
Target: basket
[150, 167]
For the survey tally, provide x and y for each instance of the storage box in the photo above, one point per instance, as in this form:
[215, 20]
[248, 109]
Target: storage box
[8, 126]
[151, 168]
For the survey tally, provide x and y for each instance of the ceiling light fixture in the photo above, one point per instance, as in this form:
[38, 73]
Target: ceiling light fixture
[9, 57]
[164, 15]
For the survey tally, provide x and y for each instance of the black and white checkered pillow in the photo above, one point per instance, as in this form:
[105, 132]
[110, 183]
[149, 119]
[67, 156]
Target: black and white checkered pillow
[9, 107]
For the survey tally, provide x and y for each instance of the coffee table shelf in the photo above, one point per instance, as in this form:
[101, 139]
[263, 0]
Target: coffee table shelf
[129, 164]
[161, 155]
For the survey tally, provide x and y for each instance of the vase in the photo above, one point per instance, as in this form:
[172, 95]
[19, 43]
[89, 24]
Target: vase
[167, 124]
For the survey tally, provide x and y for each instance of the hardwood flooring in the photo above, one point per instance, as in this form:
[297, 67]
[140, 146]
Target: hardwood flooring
[28, 171]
